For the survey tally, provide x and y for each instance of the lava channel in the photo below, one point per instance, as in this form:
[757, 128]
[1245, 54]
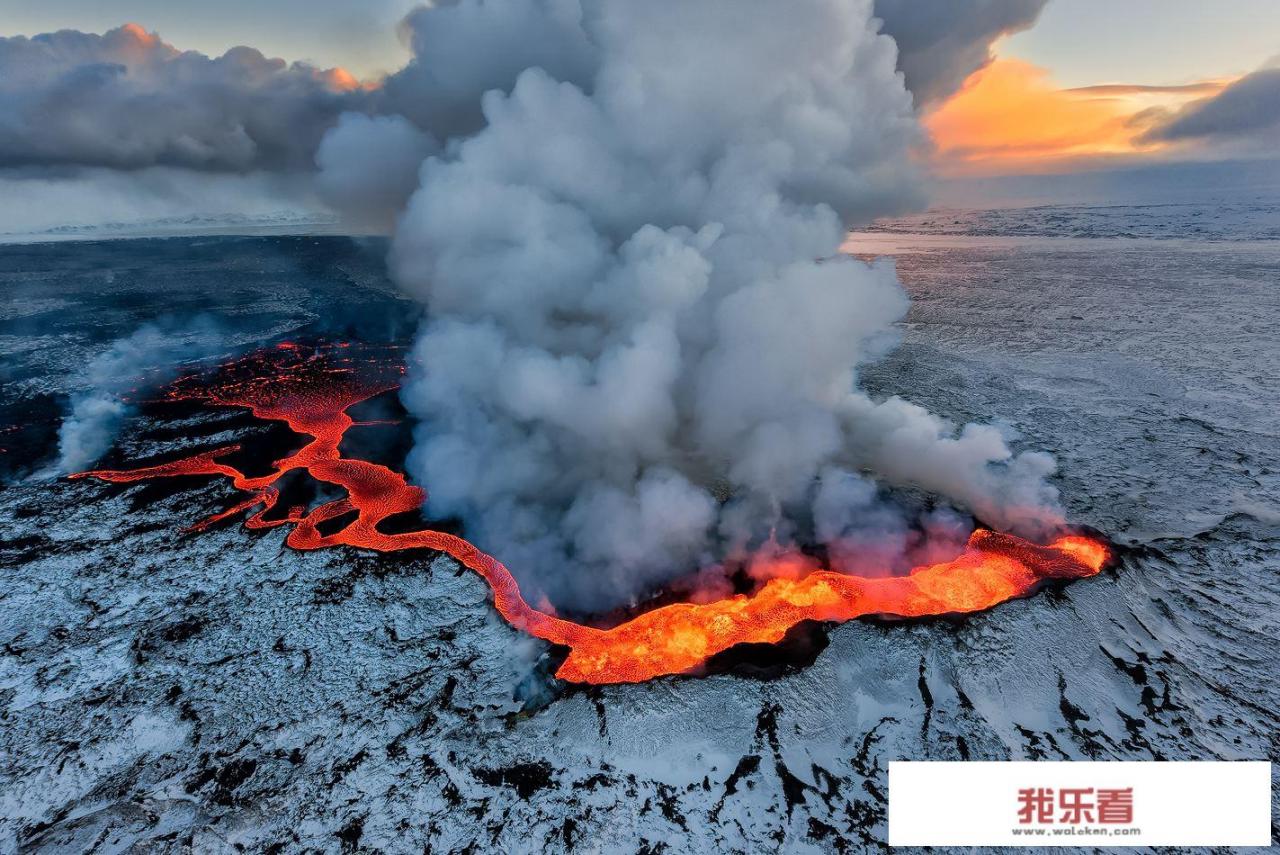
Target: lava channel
[311, 389]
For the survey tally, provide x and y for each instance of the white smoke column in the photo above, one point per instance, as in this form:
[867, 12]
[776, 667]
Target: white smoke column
[148, 356]
[637, 306]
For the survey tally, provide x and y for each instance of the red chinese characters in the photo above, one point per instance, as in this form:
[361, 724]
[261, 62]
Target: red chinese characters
[1075, 806]
[1115, 807]
[1036, 805]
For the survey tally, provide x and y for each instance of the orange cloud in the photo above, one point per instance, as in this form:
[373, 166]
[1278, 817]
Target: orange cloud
[341, 80]
[1204, 88]
[1010, 117]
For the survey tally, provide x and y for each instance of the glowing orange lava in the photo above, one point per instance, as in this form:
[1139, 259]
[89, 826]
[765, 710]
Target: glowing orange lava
[312, 389]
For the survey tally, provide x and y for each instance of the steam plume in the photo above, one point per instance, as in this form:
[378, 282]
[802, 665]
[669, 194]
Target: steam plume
[643, 344]
[463, 49]
[369, 167]
[148, 356]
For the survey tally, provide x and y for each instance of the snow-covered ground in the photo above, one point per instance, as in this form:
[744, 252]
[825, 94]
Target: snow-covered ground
[1237, 217]
[222, 692]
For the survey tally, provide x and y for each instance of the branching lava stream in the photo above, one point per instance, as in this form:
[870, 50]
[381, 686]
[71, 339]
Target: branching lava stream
[311, 389]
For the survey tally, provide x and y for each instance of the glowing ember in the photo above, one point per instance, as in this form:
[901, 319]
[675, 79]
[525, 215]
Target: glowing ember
[311, 390]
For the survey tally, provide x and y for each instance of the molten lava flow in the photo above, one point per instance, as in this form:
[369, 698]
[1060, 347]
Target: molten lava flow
[312, 389]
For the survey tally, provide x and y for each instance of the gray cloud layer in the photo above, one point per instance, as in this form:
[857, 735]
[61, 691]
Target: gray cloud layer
[1247, 112]
[127, 100]
[941, 42]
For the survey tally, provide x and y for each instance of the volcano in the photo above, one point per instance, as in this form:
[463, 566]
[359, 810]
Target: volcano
[221, 689]
[312, 388]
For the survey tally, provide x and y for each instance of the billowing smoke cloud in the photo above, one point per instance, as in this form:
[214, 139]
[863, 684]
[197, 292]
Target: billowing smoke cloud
[369, 167]
[642, 348]
[148, 357]
[1246, 113]
[941, 42]
[127, 100]
[463, 49]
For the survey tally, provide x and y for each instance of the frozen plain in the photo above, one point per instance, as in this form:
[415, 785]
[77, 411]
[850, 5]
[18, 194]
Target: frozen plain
[222, 693]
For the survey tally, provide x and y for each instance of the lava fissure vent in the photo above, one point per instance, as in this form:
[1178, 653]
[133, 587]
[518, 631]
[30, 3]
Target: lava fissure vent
[312, 389]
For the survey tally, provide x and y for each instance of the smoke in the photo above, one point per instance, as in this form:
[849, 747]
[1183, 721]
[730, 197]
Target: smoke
[463, 49]
[146, 358]
[642, 344]
[369, 167]
[867, 536]
[127, 100]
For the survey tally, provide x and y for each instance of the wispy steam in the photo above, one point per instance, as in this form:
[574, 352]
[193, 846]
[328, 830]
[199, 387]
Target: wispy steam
[643, 344]
[146, 358]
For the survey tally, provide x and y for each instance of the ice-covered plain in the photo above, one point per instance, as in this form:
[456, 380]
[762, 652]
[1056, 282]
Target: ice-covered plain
[220, 692]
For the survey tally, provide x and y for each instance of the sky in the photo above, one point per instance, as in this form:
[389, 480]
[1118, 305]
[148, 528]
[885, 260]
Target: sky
[359, 35]
[1084, 87]
[1081, 42]
[1091, 85]
[1150, 42]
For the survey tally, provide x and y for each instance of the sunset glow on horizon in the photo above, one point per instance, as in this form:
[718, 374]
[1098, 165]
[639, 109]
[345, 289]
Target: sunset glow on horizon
[1011, 117]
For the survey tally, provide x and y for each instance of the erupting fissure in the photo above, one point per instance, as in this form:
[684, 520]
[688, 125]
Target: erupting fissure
[312, 389]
